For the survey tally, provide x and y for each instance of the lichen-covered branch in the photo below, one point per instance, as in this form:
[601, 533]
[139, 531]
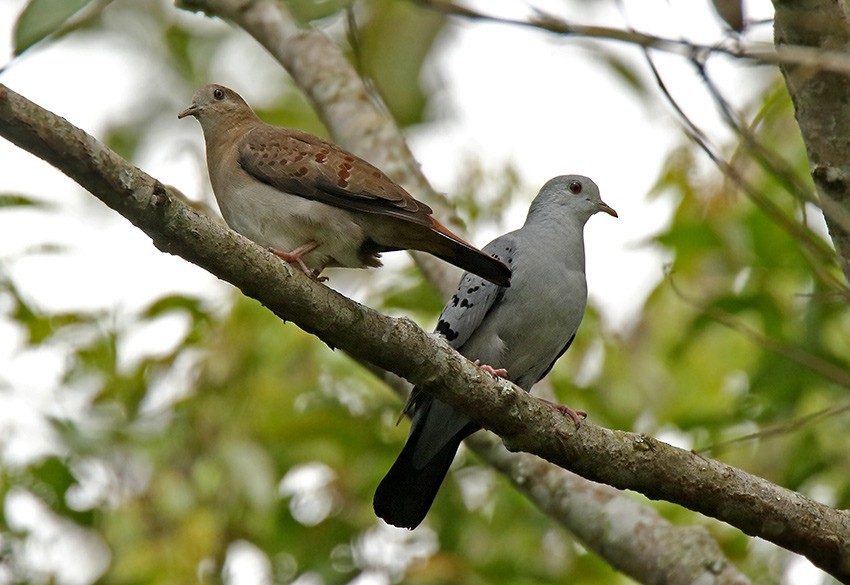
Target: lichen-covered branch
[621, 459]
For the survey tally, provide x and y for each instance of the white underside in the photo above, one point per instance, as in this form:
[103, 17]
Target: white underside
[285, 222]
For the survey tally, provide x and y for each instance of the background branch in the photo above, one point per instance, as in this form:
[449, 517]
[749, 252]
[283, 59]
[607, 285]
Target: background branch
[799, 55]
[816, 248]
[607, 520]
[820, 106]
[806, 60]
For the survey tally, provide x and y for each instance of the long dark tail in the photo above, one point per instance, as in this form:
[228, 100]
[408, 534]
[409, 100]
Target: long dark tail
[478, 263]
[406, 493]
[468, 257]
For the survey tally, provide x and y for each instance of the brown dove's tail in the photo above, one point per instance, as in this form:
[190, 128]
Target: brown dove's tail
[449, 247]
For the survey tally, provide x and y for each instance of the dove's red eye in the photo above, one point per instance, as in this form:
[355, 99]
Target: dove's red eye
[218, 93]
[575, 187]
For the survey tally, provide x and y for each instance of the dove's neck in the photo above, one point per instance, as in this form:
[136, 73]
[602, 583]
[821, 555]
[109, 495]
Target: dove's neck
[221, 137]
[560, 234]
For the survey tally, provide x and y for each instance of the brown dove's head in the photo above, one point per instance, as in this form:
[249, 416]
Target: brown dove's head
[214, 105]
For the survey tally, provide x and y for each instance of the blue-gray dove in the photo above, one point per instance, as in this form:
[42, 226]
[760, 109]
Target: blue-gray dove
[523, 329]
[311, 202]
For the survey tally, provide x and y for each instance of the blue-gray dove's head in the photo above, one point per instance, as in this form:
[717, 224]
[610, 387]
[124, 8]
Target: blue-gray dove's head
[218, 107]
[573, 196]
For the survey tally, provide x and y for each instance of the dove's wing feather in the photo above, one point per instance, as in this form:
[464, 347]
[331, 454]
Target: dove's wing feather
[302, 164]
[437, 429]
[460, 320]
[473, 299]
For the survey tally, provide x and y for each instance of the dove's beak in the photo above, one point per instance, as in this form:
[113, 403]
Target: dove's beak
[607, 209]
[190, 111]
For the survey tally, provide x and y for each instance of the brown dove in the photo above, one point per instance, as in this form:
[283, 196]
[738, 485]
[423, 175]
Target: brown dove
[311, 202]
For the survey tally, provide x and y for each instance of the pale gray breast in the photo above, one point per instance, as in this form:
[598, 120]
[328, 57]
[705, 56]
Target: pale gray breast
[533, 321]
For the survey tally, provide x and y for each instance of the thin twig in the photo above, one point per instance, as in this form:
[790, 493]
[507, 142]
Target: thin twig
[768, 158]
[761, 53]
[814, 245]
[782, 428]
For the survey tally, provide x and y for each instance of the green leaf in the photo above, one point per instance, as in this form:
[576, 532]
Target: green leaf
[20, 200]
[170, 303]
[38, 325]
[41, 18]
[413, 295]
[625, 71]
[394, 43]
[52, 478]
[309, 10]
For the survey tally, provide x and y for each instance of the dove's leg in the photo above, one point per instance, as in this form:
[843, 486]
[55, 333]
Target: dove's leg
[297, 257]
[498, 372]
[576, 415]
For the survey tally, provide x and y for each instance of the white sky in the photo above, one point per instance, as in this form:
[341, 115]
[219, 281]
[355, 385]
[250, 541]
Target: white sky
[506, 94]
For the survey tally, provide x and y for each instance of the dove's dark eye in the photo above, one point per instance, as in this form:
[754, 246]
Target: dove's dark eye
[575, 187]
[218, 94]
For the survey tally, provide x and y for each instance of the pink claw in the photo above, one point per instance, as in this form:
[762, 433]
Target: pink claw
[297, 257]
[576, 415]
[497, 372]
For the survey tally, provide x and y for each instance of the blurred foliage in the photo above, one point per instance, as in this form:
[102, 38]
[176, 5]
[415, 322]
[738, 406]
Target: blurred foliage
[392, 46]
[249, 430]
[41, 18]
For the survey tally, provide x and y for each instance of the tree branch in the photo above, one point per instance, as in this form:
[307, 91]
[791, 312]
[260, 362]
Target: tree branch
[820, 253]
[817, 76]
[821, 106]
[621, 459]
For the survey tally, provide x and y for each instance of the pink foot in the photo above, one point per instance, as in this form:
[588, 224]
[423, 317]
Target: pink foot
[497, 372]
[576, 415]
[297, 257]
